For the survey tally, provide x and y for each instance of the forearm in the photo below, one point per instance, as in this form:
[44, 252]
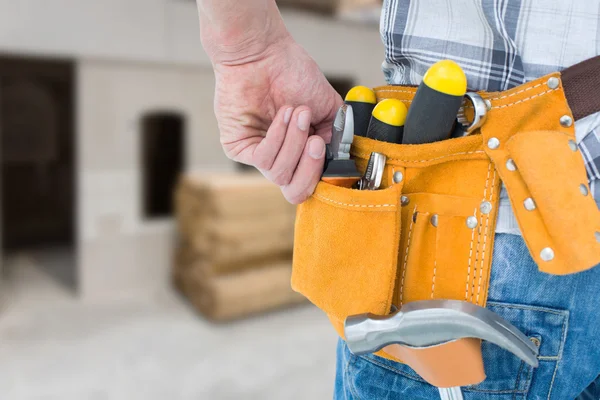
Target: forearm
[234, 31]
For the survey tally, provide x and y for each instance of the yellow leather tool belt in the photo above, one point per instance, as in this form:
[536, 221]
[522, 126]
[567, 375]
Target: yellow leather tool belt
[429, 232]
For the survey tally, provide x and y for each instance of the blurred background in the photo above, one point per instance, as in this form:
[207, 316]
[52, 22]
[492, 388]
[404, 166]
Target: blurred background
[138, 262]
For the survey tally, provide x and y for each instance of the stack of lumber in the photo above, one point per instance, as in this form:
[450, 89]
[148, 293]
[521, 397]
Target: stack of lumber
[368, 11]
[236, 238]
[351, 10]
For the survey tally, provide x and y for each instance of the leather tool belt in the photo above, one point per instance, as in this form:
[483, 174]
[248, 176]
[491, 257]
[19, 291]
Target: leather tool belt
[429, 232]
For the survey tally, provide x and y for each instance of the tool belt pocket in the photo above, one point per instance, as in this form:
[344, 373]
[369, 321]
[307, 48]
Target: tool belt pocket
[346, 250]
[557, 214]
[444, 250]
[424, 235]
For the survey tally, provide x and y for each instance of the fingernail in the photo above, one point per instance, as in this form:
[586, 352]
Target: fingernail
[304, 120]
[316, 148]
[288, 115]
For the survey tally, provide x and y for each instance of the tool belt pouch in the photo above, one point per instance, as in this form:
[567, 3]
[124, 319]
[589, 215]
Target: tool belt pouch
[429, 232]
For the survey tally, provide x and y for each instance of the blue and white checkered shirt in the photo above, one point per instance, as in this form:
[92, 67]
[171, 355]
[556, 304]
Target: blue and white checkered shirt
[500, 44]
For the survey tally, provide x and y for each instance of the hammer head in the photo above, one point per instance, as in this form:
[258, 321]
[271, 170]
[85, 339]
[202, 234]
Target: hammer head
[427, 323]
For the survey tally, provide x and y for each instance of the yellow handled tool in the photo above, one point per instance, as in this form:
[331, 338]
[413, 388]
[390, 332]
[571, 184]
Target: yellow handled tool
[387, 121]
[363, 100]
[435, 106]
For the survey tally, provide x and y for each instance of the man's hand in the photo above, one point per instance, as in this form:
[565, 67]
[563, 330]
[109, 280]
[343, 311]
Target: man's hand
[274, 107]
[275, 113]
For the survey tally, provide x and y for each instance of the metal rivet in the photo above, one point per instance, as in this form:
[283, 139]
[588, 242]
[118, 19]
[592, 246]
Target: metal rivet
[529, 204]
[485, 207]
[404, 201]
[597, 234]
[547, 254]
[434, 220]
[398, 176]
[535, 341]
[553, 82]
[493, 143]
[472, 222]
[488, 104]
[573, 145]
[566, 121]
[583, 189]
[510, 165]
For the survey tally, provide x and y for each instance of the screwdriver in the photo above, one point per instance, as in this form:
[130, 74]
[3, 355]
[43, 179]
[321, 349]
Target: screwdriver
[387, 121]
[363, 100]
[435, 106]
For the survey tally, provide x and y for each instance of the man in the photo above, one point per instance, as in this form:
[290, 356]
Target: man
[265, 82]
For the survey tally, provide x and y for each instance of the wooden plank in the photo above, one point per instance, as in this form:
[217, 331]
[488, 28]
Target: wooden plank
[222, 298]
[325, 7]
[233, 219]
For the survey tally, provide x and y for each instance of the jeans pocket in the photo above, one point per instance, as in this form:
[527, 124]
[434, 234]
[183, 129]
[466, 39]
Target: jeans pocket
[371, 377]
[507, 374]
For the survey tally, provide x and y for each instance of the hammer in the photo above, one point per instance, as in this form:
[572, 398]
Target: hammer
[428, 323]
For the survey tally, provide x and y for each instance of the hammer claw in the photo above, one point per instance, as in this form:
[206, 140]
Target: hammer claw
[434, 322]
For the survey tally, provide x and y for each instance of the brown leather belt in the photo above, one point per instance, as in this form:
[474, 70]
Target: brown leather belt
[582, 87]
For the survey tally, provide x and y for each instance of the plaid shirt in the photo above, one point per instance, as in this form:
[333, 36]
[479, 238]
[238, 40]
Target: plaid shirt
[499, 44]
[590, 148]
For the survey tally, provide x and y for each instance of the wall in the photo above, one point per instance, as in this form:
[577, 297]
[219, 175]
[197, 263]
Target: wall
[135, 56]
[166, 31]
[120, 251]
[108, 28]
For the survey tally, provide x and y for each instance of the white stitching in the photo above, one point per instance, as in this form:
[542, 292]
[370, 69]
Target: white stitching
[520, 91]
[395, 91]
[487, 180]
[516, 93]
[434, 271]
[506, 96]
[433, 159]
[393, 282]
[525, 99]
[412, 220]
[489, 98]
[470, 256]
[354, 205]
[487, 220]
[479, 226]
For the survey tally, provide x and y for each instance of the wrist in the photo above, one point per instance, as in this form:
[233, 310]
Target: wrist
[228, 44]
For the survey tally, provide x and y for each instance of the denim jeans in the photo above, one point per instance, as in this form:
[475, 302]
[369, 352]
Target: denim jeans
[561, 312]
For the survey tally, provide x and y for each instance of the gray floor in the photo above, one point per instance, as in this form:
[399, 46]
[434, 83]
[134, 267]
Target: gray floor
[54, 347]
[57, 262]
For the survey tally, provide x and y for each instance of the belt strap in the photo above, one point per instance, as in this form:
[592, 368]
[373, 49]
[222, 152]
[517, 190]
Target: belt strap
[581, 83]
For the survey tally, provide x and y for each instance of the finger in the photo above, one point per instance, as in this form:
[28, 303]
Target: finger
[266, 150]
[293, 146]
[308, 172]
[323, 128]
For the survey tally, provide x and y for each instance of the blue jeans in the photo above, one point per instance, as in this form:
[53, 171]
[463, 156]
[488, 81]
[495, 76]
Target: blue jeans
[562, 312]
